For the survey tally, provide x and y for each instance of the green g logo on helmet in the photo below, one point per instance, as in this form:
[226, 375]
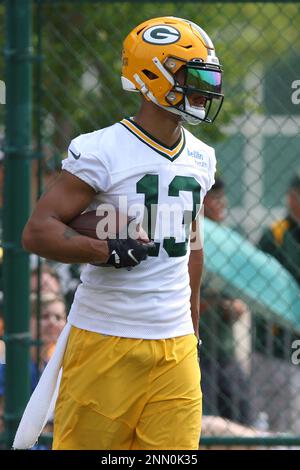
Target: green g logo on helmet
[161, 34]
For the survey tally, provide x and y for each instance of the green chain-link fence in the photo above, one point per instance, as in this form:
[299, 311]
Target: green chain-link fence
[250, 318]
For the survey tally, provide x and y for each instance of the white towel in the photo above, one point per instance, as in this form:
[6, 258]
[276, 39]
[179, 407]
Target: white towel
[42, 402]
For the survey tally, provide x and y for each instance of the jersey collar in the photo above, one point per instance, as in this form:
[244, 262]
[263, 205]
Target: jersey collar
[171, 153]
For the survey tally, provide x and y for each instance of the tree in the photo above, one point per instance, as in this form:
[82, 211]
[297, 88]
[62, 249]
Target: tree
[82, 50]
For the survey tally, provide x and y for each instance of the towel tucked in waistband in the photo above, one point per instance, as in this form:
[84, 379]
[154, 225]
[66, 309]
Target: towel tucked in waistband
[42, 401]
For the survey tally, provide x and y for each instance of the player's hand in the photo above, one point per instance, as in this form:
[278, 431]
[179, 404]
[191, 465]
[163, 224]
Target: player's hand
[127, 253]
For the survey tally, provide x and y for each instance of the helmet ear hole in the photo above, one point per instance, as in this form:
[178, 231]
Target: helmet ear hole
[149, 74]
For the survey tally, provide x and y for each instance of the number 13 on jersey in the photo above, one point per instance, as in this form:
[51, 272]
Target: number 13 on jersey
[149, 186]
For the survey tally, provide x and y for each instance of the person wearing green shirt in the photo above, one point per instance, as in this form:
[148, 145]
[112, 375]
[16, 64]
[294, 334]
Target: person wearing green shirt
[282, 238]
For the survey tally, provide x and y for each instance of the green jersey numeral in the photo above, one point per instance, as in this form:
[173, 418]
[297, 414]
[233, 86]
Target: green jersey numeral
[148, 186]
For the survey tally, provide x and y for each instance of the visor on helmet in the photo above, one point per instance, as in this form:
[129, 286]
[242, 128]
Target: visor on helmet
[203, 80]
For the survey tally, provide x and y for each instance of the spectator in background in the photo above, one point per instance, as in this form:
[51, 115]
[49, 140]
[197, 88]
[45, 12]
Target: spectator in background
[52, 321]
[69, 278]
[59, 278]
[224, 383]
[49, 282]
[282, 238]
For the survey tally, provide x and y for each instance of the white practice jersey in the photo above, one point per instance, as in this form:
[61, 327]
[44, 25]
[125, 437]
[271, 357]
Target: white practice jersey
[130, 169]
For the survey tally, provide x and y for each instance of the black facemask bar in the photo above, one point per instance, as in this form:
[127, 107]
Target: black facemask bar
[204, 80]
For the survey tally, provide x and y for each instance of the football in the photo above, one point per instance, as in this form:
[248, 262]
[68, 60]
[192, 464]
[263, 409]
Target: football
[112, 224]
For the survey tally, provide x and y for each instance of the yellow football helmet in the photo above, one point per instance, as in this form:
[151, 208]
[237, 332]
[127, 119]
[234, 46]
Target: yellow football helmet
[153, 53]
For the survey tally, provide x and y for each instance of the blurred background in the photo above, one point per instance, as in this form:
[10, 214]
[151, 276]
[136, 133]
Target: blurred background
[60, 66]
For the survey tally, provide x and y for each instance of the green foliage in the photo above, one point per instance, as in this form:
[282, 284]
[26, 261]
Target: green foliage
[82, 49]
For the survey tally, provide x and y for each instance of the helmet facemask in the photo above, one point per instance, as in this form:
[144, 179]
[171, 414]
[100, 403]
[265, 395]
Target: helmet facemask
[200, 90]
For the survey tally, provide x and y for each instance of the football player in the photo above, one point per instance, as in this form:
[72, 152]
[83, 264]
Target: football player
[131, 377]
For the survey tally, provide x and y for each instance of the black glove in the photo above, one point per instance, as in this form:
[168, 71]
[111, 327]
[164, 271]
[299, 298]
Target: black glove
[127, 253]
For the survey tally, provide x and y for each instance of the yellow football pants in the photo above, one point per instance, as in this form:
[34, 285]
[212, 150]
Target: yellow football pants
[124, 393]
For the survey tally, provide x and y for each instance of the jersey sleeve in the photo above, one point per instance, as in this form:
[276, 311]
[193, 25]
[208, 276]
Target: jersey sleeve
[86, 162]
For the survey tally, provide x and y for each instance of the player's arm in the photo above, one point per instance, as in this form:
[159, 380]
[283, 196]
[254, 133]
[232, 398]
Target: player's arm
[47, 234]
[195, 272]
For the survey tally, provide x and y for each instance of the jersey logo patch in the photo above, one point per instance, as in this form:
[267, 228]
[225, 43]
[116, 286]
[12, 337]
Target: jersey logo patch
[132, 256]
[76, 156]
